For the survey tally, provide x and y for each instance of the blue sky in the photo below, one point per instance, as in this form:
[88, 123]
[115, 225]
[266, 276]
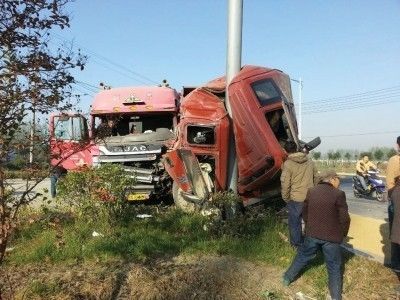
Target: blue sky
[338, 48]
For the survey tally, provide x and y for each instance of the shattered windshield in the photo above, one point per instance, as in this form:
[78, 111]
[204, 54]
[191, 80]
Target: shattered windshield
[284, 84]
[266, 92]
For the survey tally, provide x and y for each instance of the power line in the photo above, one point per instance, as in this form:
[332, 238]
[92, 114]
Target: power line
[122, 67]
[357, 106]
[87, 88]
[88, 84]
[356, 134]
[357, 100]
[351, 96]
[108, 67]
[123, 73]
[353, 101]
[84, 93]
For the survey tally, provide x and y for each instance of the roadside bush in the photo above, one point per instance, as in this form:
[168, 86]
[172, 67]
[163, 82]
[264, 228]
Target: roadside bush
[96, 193]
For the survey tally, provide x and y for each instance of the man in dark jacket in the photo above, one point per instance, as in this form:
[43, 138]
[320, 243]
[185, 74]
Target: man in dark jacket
[395, 229]
[393, 185]
[327, 221]
[298, 175]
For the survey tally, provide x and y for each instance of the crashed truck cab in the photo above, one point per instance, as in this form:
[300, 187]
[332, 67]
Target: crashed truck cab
[263, 121]
[132, 126]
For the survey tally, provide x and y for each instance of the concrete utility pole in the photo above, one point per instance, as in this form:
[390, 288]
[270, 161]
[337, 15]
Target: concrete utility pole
[233, 65]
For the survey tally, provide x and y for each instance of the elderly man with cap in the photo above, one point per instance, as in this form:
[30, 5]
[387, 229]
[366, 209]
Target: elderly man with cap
[327, 220]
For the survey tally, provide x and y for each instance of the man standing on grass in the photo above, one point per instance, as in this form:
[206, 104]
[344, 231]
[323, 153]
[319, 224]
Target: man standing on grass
[298, 175]
[327, 221]
[393, 186]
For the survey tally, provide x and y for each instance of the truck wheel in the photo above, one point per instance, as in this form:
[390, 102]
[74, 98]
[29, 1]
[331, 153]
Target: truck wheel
[180, 202]
[381, 196]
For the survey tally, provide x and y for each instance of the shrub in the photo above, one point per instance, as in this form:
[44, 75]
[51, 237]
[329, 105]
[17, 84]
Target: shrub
[95, 193]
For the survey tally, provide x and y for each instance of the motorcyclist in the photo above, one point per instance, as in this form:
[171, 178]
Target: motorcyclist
[363, 166]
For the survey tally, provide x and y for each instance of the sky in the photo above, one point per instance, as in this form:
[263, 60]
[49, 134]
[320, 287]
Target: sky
[347, 54]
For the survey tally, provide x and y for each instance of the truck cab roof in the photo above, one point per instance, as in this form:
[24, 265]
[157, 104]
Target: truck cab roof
[135, 99]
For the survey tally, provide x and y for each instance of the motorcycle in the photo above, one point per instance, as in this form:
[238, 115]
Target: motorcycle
[376, 187]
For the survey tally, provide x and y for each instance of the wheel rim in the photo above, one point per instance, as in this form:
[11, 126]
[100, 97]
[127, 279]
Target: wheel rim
[379, 197]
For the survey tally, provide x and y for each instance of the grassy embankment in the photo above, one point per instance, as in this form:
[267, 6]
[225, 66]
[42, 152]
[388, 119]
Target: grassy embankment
[91, 249]
[60, 241]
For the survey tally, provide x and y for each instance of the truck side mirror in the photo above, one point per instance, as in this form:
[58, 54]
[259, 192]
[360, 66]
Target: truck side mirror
[311, 144]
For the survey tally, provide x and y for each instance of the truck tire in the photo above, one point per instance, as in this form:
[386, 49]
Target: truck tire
[381, 196]
[180, 202]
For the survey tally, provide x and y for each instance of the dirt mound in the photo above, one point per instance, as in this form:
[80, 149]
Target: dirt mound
[207, 277]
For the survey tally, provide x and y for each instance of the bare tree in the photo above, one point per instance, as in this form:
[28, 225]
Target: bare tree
[33, 78]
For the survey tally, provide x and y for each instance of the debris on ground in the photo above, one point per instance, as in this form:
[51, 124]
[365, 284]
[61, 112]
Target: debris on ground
[143, 216]
[96, 234]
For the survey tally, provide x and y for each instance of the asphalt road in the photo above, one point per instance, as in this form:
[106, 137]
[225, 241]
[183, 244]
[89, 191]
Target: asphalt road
[361, 206]
[19, 186]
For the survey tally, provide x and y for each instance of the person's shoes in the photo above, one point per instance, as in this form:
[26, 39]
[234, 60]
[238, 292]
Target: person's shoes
[285, 281]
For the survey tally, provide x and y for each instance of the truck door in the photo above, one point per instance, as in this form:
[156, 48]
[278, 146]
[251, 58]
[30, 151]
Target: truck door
[263, 119]
[283, 82]
[69, 141]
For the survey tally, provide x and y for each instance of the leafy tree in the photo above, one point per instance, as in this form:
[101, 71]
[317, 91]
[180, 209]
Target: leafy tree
[19, 157]
[366, 153]
[378, 154]
[337, 155]
[347, 156]
[33, 78]
[316, 155]
[331, 155]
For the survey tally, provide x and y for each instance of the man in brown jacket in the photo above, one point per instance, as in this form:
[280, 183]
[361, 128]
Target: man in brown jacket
[395, 230]
[393, 186]
[327, 221]
[298, 175]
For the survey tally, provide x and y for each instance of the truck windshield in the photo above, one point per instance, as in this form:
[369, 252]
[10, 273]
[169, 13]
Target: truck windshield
[266, 92]
[132, 125]
[69, 128]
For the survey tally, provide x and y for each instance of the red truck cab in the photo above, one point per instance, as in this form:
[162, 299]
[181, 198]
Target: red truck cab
[263, 120]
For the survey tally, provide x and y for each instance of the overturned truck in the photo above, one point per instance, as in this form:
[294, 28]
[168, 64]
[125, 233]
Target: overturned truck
[263, 121]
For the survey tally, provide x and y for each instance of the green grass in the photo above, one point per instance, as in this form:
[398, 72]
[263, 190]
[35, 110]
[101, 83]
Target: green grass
[345, 167]
[167, 234]
[60, 239]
